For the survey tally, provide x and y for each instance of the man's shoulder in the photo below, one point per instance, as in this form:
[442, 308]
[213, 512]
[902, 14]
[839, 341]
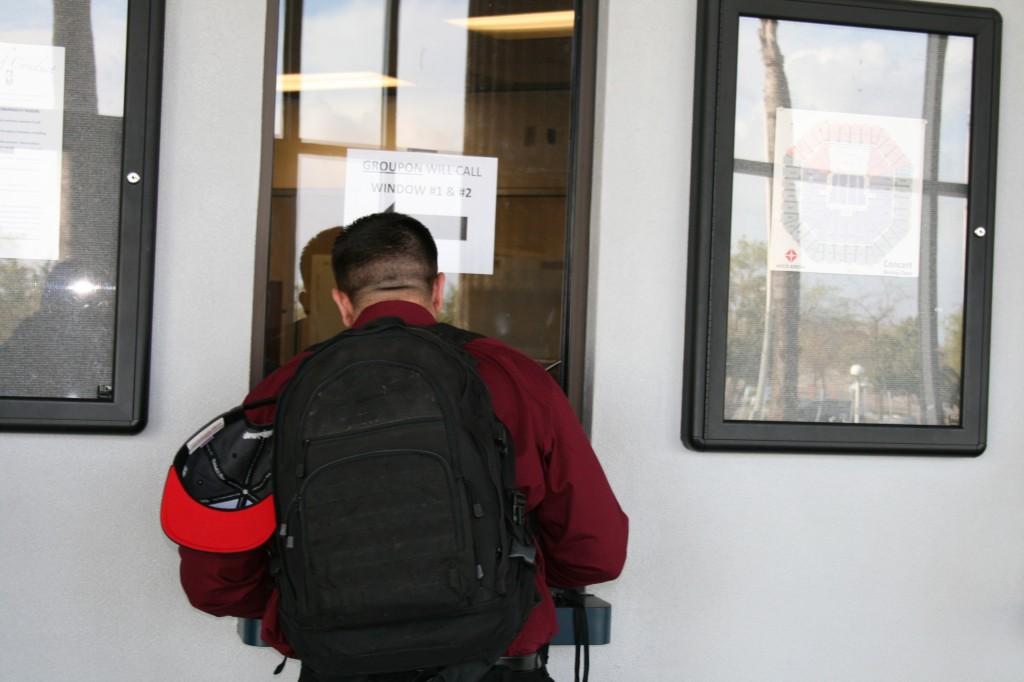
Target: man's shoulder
[488, 346]
[271, 386]
[520, 367]
[279, 378]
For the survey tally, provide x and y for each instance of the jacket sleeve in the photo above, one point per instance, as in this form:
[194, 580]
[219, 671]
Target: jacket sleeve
[236, 584]
[578, 523]
[582, 529]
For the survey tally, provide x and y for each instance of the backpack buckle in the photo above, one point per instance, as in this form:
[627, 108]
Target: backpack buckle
[527, 553]
[518, 507]
[501, 440]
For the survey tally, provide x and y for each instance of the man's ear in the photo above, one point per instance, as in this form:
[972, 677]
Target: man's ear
[345, 307]
[437, 294]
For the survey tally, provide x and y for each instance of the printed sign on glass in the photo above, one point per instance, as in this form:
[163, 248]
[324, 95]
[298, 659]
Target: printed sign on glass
[454, 196]
[31, 137]
[846, 193]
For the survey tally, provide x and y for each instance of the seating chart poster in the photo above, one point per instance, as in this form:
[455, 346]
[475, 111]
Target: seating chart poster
[846, 193]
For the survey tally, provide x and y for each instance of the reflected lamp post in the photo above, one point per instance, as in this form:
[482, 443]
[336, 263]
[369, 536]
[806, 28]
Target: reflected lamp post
[856, 371]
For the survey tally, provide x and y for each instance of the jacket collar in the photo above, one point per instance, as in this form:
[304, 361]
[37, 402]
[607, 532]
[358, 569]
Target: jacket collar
[410, 313]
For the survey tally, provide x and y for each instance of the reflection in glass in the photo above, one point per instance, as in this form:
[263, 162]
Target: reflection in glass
[60, 195]
[342, 39]
[423, 75]
[432, 55]
[849, 220]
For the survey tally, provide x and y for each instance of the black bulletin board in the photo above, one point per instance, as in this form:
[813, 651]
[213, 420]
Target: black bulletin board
[80, 100]
[841, 232]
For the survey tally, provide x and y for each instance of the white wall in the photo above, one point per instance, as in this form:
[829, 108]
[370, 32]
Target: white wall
[742, 567]
[88, 583]
[783, 567]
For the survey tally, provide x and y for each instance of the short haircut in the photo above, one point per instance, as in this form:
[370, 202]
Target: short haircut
[384, 252]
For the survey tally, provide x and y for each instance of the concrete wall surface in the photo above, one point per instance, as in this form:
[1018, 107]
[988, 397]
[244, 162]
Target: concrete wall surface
[783, 567]
[742, 567]
[88, 583]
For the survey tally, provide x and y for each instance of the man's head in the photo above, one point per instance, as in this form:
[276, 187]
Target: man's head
[385, 257]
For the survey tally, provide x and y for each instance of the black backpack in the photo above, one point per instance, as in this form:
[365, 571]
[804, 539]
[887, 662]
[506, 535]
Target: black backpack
[402, 542]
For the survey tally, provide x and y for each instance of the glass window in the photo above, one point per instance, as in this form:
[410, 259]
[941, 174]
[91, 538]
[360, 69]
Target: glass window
[860, 330]
[78, 168]
[452, 78]
[843, 201]
[62, 82]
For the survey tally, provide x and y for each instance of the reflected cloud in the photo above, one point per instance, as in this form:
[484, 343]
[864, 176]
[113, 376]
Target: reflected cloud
[342, 37]
[109, 31]
[30, 22]
[433, 54]
[882, 74]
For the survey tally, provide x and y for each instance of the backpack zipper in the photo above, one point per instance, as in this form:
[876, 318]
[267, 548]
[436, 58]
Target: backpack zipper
[300, 471]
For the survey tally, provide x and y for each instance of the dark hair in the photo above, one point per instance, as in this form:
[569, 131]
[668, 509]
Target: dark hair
[384, 252]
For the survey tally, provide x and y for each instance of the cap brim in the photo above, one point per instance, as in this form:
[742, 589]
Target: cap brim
[196, 526]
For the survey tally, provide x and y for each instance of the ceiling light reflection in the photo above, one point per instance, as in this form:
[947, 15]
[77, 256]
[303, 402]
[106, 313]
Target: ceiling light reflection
[83, 287]
[296, 82]
[521, 26]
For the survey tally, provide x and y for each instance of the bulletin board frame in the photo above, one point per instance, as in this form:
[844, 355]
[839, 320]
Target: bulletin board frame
[705, 423]
[122, 406]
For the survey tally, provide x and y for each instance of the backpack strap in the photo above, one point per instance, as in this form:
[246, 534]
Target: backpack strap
[577, 600]
[453, 335]
[522, 538]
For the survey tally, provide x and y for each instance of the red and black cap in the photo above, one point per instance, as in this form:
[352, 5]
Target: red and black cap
[218, 496]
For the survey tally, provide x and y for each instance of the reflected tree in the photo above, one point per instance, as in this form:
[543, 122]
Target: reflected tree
[830, 340]
[92, 146]
[746, 319]
[931, 378]
[21, 285]
[951, 355]
[780, 345]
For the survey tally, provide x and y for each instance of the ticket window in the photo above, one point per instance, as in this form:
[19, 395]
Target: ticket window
[478, 79]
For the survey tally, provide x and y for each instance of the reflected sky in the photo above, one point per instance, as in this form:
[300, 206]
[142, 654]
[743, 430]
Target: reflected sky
[862, 71]
[432, 56]
[348, 37]
[31, 22]
[342, 37]
[856, 70]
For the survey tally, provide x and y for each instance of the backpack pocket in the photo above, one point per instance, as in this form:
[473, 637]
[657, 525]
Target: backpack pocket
[384, 538]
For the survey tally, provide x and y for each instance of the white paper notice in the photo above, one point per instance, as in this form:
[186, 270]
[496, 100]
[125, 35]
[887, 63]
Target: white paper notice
[846, 193]
[31, 139]
[454, 196]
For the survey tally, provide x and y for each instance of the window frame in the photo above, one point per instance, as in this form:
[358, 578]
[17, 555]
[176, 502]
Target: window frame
[577, 240]
[704, 426]
[127, 411]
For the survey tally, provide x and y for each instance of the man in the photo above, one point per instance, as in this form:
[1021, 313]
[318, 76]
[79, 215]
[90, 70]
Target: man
[386, 266]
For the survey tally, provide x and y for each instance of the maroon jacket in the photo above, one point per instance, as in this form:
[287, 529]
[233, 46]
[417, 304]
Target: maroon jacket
[581, 530]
